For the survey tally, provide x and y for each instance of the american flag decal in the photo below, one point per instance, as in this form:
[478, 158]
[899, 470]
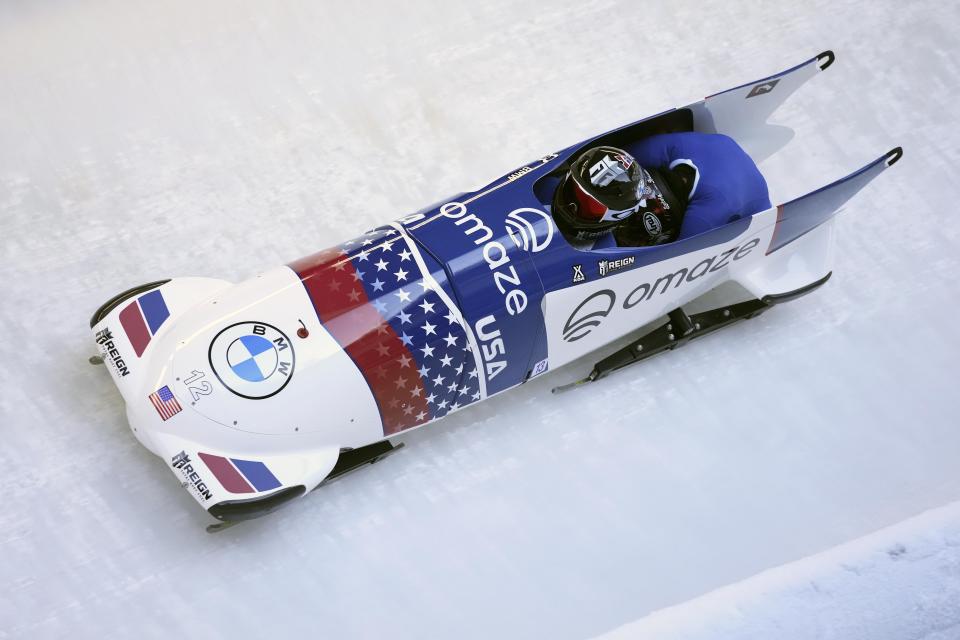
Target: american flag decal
[164, 402]
[400, 327]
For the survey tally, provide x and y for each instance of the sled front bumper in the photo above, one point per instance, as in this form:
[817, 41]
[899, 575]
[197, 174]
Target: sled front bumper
[241, 450]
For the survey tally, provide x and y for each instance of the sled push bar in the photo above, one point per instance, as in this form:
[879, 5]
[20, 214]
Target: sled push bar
[681, 328]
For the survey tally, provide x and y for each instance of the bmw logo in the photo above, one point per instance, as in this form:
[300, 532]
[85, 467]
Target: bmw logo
[252, 359]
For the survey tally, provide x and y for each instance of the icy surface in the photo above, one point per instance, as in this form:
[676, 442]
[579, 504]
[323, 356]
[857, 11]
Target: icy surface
[901, 582]
[141, 140]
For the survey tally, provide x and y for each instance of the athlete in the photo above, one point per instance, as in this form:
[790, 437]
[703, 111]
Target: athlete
[663, 188]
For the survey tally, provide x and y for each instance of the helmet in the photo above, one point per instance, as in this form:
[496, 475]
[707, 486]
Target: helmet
[604, 187]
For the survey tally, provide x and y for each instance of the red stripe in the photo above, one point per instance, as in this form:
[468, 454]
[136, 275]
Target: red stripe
[136, 329]
[158, 406]
[228, 476]
[345, 310]
[166, 409]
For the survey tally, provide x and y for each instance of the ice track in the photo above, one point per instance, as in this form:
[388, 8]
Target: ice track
[143, 140]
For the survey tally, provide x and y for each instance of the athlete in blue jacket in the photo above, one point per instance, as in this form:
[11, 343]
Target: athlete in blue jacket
[662, 188]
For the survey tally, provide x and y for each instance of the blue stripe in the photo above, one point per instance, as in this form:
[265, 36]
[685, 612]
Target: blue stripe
[808, 212]
[154, 309]
[257, 474]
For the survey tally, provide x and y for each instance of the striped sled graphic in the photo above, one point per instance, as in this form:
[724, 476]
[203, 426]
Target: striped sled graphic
[240, 476]
[142, 318]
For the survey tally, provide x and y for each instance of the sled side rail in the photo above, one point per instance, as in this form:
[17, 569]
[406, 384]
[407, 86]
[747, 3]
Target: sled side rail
[806, 213]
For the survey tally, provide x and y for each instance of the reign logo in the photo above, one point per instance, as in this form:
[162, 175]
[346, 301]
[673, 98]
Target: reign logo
[609, 266]
[196, 484]
[105, 340]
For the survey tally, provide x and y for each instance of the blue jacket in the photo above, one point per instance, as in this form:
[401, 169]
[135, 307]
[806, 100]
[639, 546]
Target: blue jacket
[727, 186]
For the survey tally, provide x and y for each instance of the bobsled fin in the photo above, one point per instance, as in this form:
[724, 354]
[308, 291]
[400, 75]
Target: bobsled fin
[806, 213]
[741, 112]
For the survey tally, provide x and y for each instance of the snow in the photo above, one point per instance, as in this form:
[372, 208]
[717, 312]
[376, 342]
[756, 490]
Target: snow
[900, 582]
[144, 140]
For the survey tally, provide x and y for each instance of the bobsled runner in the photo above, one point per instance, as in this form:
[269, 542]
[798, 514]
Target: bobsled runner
[256, 393]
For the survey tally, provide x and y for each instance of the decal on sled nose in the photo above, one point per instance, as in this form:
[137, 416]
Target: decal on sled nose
[392, 315]
[252, 359]
[246, 358]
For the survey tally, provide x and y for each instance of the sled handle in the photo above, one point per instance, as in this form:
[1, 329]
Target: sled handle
[893, 155]
[825, 59]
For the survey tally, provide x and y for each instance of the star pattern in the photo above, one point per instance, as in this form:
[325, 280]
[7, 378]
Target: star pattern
[405, 340]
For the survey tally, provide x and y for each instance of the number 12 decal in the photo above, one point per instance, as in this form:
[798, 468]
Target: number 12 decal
[202, 388]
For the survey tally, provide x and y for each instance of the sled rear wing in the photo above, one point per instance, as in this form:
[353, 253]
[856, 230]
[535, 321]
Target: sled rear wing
[742, 112]
[806, 213]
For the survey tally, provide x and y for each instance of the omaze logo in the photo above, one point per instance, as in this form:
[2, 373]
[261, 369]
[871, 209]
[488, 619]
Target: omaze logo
[521, 227]
[588, 314]
[505, 276]
[252, 359]
[591, 311]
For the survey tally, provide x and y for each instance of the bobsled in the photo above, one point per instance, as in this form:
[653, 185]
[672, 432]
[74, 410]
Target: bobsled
[256, 393]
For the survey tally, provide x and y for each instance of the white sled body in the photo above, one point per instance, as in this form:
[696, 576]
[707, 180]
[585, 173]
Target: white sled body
[254, 392]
